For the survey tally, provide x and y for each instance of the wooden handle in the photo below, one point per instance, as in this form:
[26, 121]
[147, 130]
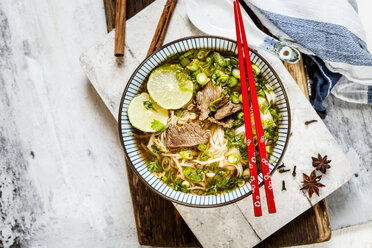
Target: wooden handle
[161, 29]
[120, 27]
[298, 73]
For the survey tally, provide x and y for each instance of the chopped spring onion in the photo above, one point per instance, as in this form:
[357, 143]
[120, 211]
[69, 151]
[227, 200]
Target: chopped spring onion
[165, 179]
[166, 163]
[246, 174]
[202, 54]
[236, 73]
[269, 149]
[206, 156]
[210, 174]
[184, 62]
[233, 158]
[219, 59]
[194, 65]
[185, 184]
[228, 69]
[256, 69]
[241, 182]
[202, 147]
[185, 55]
[186, 154]
[234, 97]
[212, 107]
[241, 98]
[262, 102]
[232, 82]
[201, 78]
[218, 73]
[241, 115]
[234, 62]
[222, 80]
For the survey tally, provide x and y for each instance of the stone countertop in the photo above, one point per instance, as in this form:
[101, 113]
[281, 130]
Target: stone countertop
[62, 179]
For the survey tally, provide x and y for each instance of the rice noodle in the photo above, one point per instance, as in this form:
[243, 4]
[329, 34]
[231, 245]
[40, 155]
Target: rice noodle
[187, 165]
[196, 187]
[178, 166]
[176, 155]
[139, 136]
[239, 170]
[160, 145]
[151, 142]
[208, 161]
[240, 130]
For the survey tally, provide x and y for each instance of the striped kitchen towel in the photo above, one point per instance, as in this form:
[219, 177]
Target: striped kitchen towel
[331, 34]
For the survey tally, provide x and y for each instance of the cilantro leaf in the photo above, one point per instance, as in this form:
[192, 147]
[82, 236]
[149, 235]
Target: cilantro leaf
[155, 149]
[148, 105]
[157, 126]
[234, 140]
[154, 166]
[179, 112]
[177, 185]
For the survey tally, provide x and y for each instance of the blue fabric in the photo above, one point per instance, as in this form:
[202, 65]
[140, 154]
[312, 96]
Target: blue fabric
[369, 94]
[328, 41]
[354, 4]
[322, 82]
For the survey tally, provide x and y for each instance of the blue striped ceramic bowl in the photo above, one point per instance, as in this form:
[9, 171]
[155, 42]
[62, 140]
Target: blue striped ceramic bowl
[134, 86]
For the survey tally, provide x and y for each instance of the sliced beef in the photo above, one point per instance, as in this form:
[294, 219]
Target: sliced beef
[207, 95]
[190, 134]
[224, 123]
[227, 110]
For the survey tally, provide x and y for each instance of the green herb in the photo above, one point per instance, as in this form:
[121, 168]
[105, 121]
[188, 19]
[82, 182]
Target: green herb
[234, 97]
[193, 175]
[180, 112]
[166, 163]
[232, 82]
[187, 154]
[155, 149]
[148, 105]
[154, 166]
[184, 62]
[202, 147]
[236, 141]
[233, 158]
[246, 174]
[177, 185]
[238, 123]
[212, 167]
[206, 155]
[157, 126]
[222, 182]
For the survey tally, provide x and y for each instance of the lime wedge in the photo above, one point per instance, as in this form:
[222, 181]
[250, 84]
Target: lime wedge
[167, 91]
[141, 117]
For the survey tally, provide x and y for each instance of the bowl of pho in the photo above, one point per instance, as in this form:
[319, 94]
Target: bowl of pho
[181, 121]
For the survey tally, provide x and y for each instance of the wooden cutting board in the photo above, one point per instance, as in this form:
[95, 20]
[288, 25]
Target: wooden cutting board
[159, 223]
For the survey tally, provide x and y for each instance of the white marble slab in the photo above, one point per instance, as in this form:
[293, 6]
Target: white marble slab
[233, 225]
[62, 179]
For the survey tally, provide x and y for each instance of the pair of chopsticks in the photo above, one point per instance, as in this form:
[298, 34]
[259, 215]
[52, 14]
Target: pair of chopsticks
[160, 32]
[241, 38]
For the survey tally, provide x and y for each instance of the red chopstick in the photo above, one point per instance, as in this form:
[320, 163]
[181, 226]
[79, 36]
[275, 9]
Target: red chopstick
[248, 125]
[256, 112]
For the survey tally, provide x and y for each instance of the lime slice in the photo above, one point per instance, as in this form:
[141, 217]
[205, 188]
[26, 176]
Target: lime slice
[141, 117]
[167, 91]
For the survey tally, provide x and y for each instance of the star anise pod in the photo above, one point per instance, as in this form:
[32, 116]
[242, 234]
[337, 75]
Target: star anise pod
[321, 163]
[311, 183]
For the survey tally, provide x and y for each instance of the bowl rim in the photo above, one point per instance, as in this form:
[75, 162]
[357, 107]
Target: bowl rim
[129, 162]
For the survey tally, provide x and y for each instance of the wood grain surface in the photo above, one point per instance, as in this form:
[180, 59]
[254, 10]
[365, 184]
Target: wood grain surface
[159, 223]
[120, 19]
